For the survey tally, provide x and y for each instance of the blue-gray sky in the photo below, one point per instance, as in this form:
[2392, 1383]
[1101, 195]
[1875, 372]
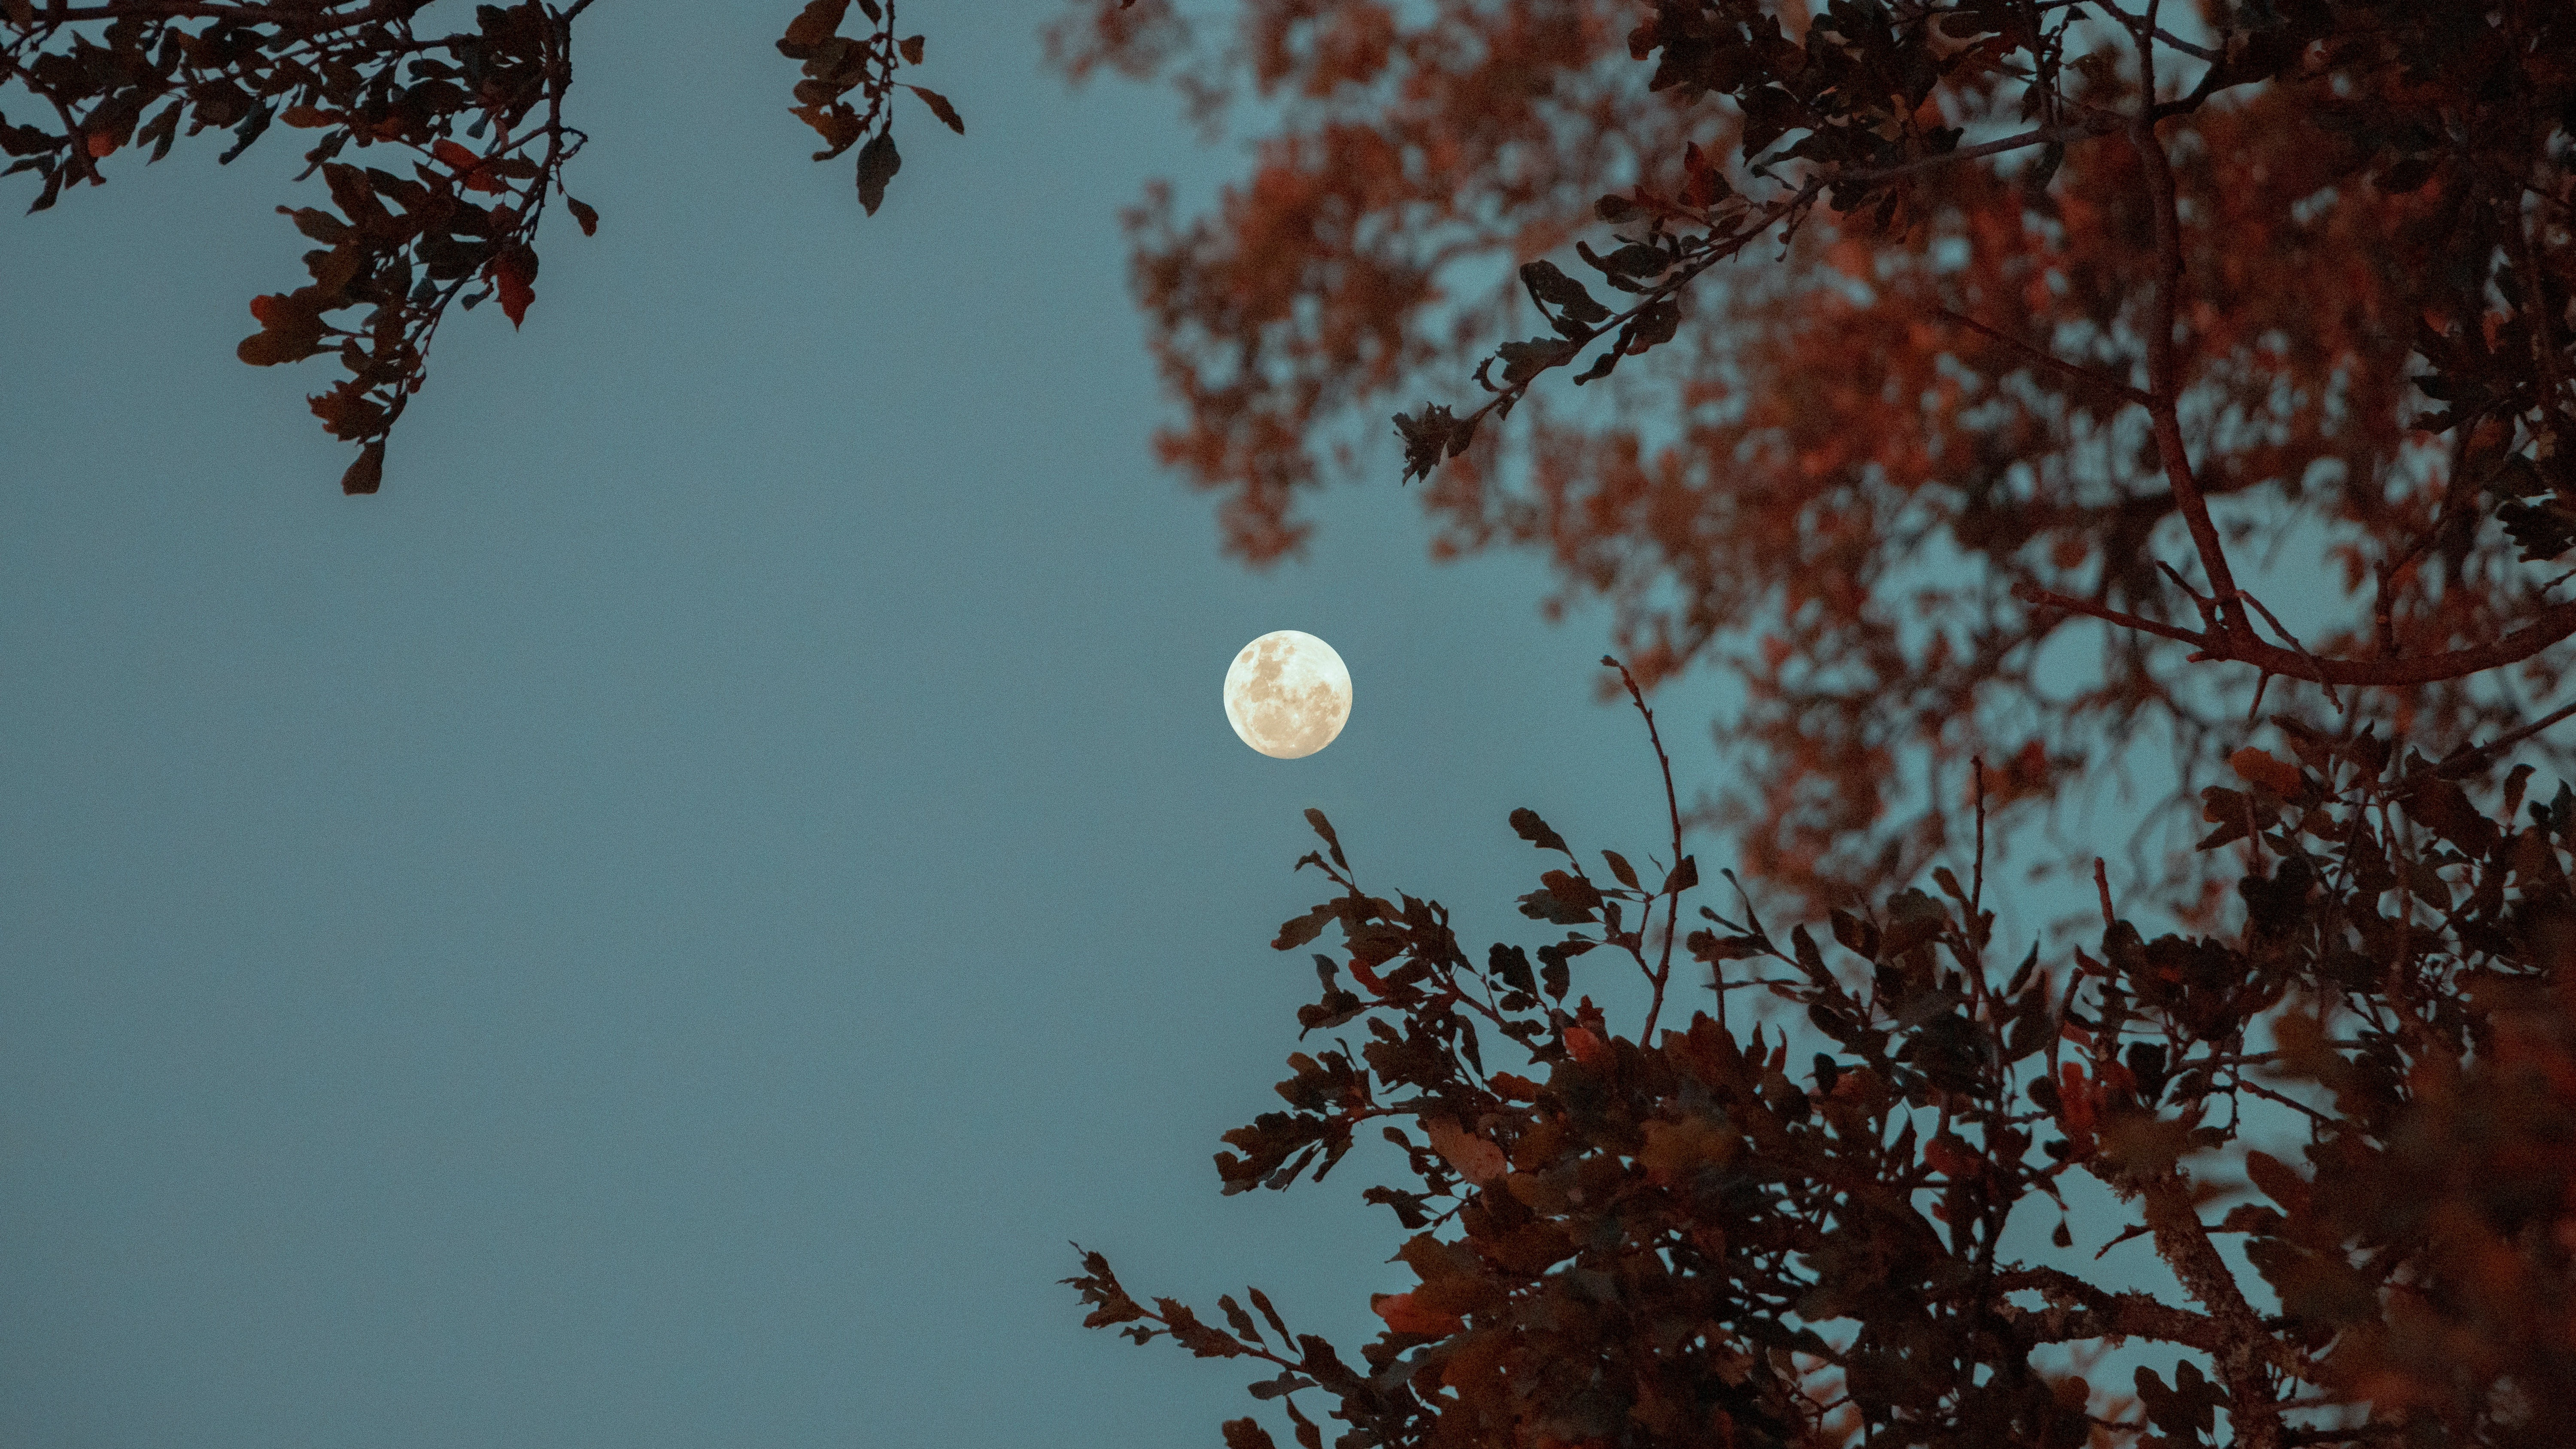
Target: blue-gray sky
[656, 929]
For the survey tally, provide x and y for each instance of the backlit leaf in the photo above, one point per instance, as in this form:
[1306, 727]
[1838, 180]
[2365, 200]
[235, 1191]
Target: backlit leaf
[1527, 825]
[815, 24]
[939, 107]
[367, 474]
[511, 276]
[878, 162]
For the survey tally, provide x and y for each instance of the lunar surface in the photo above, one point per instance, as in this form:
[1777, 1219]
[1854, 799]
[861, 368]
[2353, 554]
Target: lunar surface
[1287, 694]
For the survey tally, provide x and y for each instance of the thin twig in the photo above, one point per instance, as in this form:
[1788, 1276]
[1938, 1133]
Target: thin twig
[2262, 1091]
[2208, 607]
[2331, 697]
[2549, 626]
[2468, 761]
[2044, 136]
[2196, 52]
[1675, 882]
[2050, 599]
[2081, 374]
[1977, 882]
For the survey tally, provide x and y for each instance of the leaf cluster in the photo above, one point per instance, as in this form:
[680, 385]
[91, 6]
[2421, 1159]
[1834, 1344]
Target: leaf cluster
[471, 129]
[836, 65]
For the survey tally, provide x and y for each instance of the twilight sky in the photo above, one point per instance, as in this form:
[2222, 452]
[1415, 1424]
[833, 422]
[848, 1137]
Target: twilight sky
[655, 930]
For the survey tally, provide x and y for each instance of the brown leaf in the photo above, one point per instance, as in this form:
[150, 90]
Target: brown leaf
[816, 23]
[1475, 1159]
[1404, 1316]
[837, 124]
[878, 162]
[939, 107]
[367, 474]
[2279, 1182]
[2278, 776]
[267, 349]
[511, 275]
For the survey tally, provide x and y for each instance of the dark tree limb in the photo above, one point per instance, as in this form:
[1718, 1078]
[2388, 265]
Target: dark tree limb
[2164, 386]
[2549, 626]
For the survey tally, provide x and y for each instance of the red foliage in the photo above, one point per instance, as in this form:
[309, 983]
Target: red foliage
[512, 278]
[1874, 475]
[2002, 320]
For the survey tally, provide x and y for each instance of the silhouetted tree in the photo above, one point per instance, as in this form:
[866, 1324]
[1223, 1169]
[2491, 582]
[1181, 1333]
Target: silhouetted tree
[1930, 331]
[1688, 1239]
[468, 128]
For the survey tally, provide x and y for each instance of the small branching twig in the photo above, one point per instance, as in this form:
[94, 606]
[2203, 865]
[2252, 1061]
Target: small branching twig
[1685, 871]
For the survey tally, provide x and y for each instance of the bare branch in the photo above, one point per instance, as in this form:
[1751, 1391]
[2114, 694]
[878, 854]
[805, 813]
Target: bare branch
[1676, 882]
[2163, 383]
[2099, 1313]
[2549, 626]
[2468, 761]
[2030, 593]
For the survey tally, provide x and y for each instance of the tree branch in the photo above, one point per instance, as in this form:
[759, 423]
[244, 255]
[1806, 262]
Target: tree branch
[2468, 761]
[2102, 1314]
[1675, 882]
[2245, 1347]
[2326, 1435]
[2549, 626]
[303, 20]
[2044, 136]
[2030, 593]
[2535, 305]
[2162, 383]
[2084, 376]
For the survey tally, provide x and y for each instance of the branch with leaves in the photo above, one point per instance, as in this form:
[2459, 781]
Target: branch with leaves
[1876, 470]
[1855, 93]
[1671, 1241]
[470, 131]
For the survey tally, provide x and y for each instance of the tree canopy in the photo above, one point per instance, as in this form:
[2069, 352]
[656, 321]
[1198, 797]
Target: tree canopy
[1957, 376]
[1965, 323]
[1692, 1239]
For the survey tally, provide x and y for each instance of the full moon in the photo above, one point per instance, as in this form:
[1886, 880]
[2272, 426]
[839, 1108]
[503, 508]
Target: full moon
[1287, 694]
